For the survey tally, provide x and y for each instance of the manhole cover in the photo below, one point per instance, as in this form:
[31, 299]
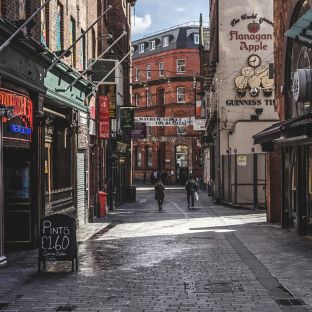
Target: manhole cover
[290, 302]
[67, 308]
[3, 306]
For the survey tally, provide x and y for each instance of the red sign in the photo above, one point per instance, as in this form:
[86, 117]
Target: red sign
[21, 126]
[92, 108]
[103, 117]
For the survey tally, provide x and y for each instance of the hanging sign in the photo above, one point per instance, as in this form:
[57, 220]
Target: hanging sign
[166, 121]
[241, 160]
[127, 117]
[139, 131]
[199, 125]
[20, 127]
[104, 117]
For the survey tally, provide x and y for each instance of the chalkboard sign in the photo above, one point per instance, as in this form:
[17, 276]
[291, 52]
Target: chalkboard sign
[57, 240]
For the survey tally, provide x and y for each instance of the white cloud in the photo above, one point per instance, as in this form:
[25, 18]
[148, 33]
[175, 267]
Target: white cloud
[140, 24]
[179, 9]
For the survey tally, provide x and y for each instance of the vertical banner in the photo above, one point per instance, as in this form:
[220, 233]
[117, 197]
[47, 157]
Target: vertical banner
[103, 117]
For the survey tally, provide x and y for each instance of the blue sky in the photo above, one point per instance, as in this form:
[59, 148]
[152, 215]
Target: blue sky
[156, 15]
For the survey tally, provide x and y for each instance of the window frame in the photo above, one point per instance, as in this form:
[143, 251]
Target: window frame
[181, 71]
[138, 160]
[161, 69]
[152, 45]
[196, 41]
[148, 98]
[148, 71]
[149, 156]
[165, 41]
[137, 74]
[141, 48]
[179, 95]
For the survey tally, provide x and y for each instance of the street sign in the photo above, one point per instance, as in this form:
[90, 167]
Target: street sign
[139, 131]
[57, 240]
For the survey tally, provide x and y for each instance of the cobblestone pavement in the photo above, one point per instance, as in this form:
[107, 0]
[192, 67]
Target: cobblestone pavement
[210, 258]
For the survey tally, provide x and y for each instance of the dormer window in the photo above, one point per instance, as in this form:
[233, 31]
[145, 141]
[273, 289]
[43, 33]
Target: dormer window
[152, 45]
[165, 41]
[141, 48]
[196, 38]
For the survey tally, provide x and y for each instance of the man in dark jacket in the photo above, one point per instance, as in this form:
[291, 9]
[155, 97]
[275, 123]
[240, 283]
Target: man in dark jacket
[191, 187]
[159, 193]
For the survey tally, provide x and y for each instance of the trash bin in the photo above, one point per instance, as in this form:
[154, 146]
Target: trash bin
[131, 194]
[102, 201]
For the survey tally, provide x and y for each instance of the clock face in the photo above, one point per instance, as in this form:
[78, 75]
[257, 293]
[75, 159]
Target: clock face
[254, 60]
[248, 71]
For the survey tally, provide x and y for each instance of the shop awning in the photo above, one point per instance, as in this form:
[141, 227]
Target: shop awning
[302, 30]
[291, 130]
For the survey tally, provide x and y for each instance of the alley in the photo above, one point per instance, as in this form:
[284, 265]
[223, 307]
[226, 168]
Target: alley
[211, 258]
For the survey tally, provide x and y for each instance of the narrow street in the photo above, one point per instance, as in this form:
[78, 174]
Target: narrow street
[210, 258]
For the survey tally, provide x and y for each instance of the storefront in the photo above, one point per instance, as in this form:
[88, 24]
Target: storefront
[292, 138]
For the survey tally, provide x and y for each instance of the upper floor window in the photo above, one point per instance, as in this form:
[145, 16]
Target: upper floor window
[137, 99]
[161, 69]
[137, 74]
[165, 41]
[181, 94]
[148, 98]
[181, 67]
[196, 38]
[148, 71]
[72, 40]
[152, 45]
[44, 21]
[141, 48]
[59, 27]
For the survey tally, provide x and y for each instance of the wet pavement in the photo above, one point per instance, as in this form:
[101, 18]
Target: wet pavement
[210, 258]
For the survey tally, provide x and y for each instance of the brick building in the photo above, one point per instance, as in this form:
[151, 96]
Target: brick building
[166, 82]
[288, 143]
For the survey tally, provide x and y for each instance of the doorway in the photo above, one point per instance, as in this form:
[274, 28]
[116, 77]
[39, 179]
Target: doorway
[182, 163]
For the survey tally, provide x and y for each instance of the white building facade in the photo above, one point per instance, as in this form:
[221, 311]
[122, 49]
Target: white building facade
[242, 100]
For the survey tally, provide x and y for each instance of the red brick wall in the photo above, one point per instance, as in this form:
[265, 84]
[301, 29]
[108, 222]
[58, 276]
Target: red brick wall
[273, 188]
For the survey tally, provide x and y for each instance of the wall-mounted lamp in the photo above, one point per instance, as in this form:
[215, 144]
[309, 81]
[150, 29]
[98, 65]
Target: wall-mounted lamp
[235, 150]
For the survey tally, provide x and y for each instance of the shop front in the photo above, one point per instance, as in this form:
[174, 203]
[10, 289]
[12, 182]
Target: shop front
[292, 138]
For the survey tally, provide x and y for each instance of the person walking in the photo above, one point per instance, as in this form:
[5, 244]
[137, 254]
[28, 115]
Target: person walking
[159, 193]
[191, 187]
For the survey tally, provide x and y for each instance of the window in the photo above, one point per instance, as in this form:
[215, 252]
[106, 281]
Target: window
[149, 156]
[148, 71]
[59, 27]
[196, 38]
[137, 74]
[72, 39]
[141, 48]
[181, 94]
[165, 41]
[161, 69]
[138, 157]
[137, 99]
[148, 131]
[181, 66]
[152, 45]
[44, 35]
[148, 98]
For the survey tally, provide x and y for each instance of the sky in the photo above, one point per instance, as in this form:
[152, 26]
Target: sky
[156, 15]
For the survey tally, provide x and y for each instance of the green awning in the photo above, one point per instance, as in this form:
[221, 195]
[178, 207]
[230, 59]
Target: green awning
[302, 30]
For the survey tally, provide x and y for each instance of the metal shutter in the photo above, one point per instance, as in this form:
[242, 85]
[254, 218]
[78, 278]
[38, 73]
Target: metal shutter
[81, 188]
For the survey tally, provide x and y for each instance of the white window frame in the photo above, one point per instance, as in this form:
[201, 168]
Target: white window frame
[141, 48]
[137, 74]
[148, 98]
[165, 41]
[152, 44]
[149, 160]
[181, 68]
[148, 71]
[161, 69]
[181, 95]
[136, 99]
[196, 38]
[138, 157]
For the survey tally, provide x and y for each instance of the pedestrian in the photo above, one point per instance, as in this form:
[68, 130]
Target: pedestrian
[159, 193]
[144, 177]
[191, 187]
[152, 179]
